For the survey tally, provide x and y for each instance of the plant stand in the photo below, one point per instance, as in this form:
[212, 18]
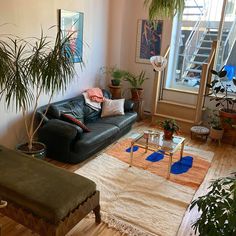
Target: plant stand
[115, 91]
[138, 107]
[200, 131]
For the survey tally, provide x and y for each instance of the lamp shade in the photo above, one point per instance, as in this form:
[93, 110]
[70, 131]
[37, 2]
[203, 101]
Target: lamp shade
[158, 62]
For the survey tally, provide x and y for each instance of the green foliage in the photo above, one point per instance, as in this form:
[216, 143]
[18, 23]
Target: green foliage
[136, 81]
[114, 72]
[167, 8]
[33, 67]
[214, 119]
[218, 209]
[220, 91]
[170, 125]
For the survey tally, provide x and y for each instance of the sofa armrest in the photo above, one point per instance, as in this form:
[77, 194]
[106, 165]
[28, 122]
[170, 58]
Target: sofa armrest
[59, 137]
[128, 105]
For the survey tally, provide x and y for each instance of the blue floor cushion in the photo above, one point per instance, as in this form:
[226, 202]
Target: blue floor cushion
[135, 149]
[156, 156]
[182, 166]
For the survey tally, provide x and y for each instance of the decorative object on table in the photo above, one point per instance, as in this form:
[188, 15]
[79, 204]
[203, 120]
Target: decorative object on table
[136, 82]
[199, 131]
[167, 8]
[216, 131]
[169, 127]
[222, 92]
[159, 63]
[148, 40]
[28, 70]
[217, 208]
[71, 23]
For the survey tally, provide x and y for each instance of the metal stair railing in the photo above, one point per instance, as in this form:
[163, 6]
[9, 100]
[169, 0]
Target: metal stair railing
[193, 40]
[228, 44]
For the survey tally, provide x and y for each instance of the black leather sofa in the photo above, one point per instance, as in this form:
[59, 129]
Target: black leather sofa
[67, 142]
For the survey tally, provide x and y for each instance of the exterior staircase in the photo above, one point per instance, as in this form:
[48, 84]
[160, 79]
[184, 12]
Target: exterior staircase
[191, 74]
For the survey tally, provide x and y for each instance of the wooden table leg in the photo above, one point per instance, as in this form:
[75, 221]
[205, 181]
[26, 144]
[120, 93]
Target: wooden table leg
[169, 166]
[131, 154]
[182, 150]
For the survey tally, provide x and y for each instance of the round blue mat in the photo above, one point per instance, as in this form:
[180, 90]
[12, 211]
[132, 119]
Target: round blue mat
[135, 149]
[156, 156]
[182, 166]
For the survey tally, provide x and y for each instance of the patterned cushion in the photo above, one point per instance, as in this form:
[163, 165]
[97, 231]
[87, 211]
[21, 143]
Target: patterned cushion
[73, 120]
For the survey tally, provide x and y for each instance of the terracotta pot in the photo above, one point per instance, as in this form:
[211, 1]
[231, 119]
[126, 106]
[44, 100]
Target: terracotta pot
[168, 135]
[137, 93]
[38, 150]
[228, 118]
[216, 134]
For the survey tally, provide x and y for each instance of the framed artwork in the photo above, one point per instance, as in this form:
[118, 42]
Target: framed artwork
[72, 23]
[148, 40]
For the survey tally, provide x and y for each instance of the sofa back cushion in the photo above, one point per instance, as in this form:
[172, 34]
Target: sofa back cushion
[74, 106]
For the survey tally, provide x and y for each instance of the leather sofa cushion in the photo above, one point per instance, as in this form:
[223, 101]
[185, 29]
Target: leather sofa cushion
[100, 132]
[44, 189]
[119, 121]
[72, 108]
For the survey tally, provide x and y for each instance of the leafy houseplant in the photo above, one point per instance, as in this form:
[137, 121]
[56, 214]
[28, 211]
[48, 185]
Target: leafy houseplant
[170, 127]
[136, 82]
[28, 70]
[218, 209]
[224, 96]
[116, 74]
[216, 131]
[168, 8]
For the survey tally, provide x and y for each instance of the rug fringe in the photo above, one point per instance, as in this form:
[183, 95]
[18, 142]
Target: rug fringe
[123, 227]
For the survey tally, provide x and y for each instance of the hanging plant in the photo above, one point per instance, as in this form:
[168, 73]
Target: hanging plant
[164, 8]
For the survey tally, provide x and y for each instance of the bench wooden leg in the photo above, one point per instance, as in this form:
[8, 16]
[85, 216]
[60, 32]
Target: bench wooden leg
[96, 211]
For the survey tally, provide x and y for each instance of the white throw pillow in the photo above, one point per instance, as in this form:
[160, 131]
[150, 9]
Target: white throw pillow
[113, 107]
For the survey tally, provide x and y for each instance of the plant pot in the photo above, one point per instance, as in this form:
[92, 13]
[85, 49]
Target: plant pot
[216, 134]
[38, 149]
[168, 135]
[115, 82]
[228, 118]
[137, 94]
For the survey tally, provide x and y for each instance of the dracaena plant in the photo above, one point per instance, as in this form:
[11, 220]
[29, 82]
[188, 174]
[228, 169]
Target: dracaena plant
[33, 67]
[222, 92]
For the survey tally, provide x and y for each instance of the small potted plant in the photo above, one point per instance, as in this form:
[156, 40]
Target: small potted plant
[216, 130]
[169, 127]
[115, 73]
[217, 208]
[136, 82]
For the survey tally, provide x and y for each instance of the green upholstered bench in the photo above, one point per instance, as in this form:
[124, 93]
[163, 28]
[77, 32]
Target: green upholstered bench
[43, 197]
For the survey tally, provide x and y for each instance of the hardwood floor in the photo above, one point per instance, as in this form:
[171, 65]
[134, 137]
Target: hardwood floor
[223, 164]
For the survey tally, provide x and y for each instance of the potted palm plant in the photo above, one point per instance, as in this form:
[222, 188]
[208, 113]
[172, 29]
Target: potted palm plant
[167, 8]
[223, 94]
[169, 127]
[29, 69]
[217, 209]
[136, 82]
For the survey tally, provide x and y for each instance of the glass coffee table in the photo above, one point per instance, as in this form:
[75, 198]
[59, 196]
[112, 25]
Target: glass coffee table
[154, 141]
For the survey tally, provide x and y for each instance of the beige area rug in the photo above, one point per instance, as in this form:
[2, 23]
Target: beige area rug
[136, 201]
